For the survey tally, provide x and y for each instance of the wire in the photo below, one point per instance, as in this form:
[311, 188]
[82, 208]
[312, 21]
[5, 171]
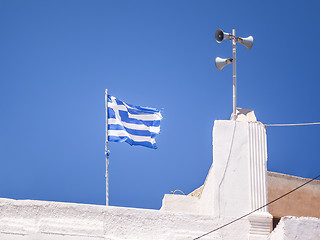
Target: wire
[226, 166]
[237, 219]
[177, 190]
[291, 124]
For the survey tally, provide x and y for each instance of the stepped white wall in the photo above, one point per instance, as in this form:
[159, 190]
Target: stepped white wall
[39, 220]
[236, 183]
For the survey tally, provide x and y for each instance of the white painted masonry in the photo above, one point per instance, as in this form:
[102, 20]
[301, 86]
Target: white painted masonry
[294, 228]
[236, 184]
[35, 220]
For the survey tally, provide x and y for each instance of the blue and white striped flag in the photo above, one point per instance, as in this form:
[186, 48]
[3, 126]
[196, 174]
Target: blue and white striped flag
[132, 124]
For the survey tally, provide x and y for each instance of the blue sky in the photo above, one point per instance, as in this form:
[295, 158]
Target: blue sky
[57, 58]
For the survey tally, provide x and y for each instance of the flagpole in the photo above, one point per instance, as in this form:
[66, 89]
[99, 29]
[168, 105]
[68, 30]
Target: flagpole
[106, 149]
[234, 52]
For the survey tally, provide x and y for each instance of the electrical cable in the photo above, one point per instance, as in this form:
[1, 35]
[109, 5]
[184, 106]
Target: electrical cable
[237, 219]
[226, 166]
[177, 190]
[291, 124]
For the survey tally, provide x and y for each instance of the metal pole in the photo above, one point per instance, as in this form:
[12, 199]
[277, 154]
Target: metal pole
[106, 149]
[234, 116]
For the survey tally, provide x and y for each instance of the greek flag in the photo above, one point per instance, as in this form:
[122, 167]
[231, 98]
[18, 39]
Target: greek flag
[132, 124]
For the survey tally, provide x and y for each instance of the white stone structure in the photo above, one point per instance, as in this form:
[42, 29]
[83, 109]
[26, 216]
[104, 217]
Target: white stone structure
[236, 182]
[303, 228]
[39, 220]
[235, 185]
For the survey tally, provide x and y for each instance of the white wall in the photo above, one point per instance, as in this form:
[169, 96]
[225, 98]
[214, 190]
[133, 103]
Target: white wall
[35, 220]
[303, 228]
[236, 182]
[180, 203]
